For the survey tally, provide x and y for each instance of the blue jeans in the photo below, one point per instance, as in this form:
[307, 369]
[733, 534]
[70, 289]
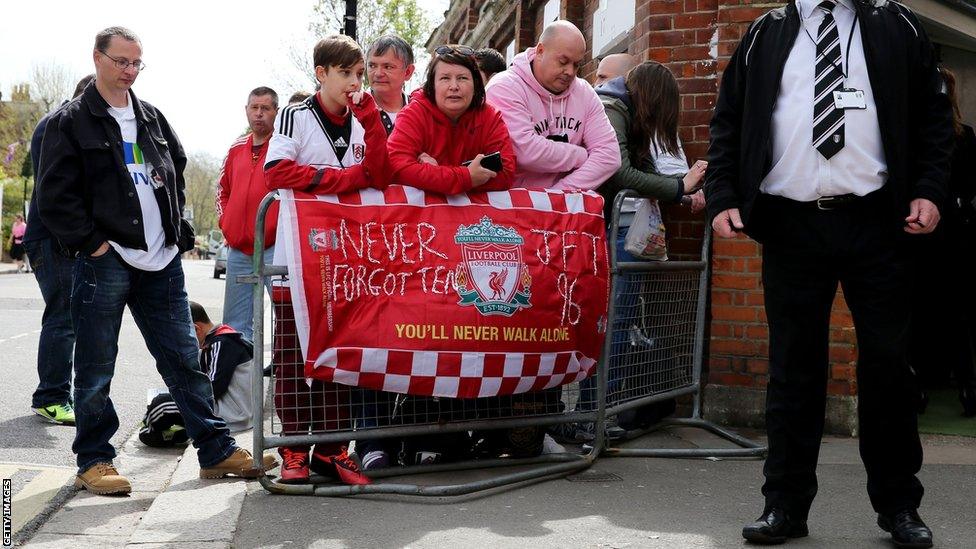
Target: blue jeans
[102, 287]
[625, 300]
[52, 269]
[238, 299]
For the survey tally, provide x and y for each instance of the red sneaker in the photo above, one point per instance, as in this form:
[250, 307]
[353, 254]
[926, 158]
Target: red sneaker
[339, 466]
[294, 467]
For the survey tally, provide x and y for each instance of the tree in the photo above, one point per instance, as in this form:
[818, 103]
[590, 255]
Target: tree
[201, 173]
[18, 117]
[53, 83]
[375, 18]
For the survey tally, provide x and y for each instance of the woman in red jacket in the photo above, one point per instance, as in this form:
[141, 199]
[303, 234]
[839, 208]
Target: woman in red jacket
[447, 123]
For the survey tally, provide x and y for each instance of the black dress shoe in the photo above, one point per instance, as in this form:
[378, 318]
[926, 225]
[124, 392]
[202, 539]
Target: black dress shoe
[774, 526]
[906, 529]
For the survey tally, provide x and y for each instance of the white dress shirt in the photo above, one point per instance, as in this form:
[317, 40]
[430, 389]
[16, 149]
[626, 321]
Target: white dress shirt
[799, 171]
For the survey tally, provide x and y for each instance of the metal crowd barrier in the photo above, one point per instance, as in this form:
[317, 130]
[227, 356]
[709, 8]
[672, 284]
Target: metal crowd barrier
[331, 414]
[654, 347]
[653, 353]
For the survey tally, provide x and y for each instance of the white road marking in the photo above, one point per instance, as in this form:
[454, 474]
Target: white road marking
[18, 336]
[35, 495]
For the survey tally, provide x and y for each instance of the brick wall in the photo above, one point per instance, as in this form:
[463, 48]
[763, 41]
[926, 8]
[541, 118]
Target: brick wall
[585, 23]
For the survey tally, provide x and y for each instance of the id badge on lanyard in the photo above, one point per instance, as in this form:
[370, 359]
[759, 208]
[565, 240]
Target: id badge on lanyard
[849, 98]
[846, 98]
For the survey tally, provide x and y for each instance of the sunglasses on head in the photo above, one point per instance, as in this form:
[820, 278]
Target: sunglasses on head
[462, 50]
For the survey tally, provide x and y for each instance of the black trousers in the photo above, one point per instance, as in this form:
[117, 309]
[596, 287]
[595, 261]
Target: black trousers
[806, 253]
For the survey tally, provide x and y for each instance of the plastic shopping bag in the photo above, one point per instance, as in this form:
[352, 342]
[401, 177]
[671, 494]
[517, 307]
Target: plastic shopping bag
[645, 237]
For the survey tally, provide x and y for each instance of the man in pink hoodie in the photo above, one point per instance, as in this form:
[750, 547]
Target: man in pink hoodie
[559, 129]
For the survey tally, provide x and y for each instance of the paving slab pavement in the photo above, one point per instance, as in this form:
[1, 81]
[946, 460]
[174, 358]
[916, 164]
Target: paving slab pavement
[656, 503]
[192, 510]
[88, 520]
[619, 502]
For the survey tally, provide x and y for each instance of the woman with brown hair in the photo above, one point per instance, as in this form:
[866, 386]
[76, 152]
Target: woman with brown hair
[448, 139]
[643, 110]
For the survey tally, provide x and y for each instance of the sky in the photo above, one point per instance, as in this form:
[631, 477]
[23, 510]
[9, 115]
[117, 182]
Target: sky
[202, 57]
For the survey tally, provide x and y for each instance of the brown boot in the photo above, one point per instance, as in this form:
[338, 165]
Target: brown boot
[239, 464]
[103, 479]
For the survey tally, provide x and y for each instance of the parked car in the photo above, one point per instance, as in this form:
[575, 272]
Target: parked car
[220, 263]
[215, 239]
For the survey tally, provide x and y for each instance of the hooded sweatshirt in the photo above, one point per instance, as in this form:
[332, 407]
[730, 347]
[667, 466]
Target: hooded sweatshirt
[225, 358]
[532, 113]
[421, 127]
[643, 178]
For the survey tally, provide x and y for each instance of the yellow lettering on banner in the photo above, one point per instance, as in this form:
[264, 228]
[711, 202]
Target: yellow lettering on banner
[546, 335]
[521, 334]
[554, 334]
[421, 331]
[475, 333]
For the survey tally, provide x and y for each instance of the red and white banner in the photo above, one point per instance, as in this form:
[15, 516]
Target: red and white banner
[463, 296]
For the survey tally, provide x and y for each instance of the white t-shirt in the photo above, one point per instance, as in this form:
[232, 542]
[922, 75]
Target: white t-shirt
[157, 255]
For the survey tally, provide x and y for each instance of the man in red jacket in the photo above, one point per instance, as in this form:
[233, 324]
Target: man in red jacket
[240, 189]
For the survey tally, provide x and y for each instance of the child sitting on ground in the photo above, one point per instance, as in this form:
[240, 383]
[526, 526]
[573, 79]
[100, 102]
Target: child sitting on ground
[225, 358]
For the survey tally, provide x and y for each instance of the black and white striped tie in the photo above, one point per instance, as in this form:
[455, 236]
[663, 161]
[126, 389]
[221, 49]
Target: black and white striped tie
[828, 121]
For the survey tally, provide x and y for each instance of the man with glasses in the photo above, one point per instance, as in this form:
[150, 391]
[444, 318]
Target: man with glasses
[110, 188]
[389, 65]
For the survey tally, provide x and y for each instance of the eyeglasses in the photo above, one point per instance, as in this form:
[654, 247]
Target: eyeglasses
[462, 50]
[123, 64]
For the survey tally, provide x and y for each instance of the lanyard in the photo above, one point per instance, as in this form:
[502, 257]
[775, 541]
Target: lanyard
[847, 56]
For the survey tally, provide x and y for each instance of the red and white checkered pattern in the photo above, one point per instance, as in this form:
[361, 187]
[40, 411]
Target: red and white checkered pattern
[454, 375]
[587, 202]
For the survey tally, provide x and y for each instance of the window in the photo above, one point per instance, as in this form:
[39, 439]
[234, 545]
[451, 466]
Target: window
[551, 12]
[610, 25]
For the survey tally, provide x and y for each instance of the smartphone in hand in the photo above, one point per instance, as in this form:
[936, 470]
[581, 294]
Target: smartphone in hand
[491, 162]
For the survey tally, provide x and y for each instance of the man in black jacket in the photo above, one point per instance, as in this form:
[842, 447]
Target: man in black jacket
[831, 140]
[110, 189]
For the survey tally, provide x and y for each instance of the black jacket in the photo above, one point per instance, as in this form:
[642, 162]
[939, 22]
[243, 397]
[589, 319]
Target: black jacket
[86, 195]
[913, 112]
[224, 351]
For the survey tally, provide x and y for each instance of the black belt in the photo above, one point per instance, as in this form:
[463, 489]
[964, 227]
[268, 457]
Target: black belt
[828, 203]
[838, 201]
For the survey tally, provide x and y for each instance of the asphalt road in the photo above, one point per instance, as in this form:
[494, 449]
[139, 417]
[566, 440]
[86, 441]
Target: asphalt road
[27, 439]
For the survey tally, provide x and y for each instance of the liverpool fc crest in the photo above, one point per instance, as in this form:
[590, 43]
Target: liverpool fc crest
[492, 276]
[318, 240]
